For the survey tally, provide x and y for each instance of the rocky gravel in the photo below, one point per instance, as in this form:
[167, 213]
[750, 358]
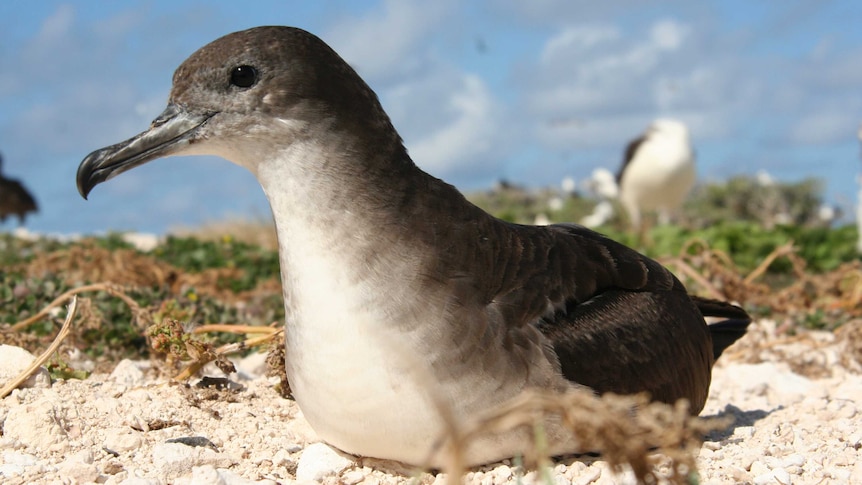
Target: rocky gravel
[796, 405]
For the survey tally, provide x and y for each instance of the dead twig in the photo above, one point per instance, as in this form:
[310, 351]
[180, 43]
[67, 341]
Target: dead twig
[231, 328]
[107, 287]
[685, 268]
[64, 331]
[783, 250]
[202, 353]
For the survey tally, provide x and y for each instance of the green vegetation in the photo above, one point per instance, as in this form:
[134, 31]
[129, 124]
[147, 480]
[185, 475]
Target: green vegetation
[741, 217]
[748, 243]
[515, 204]
[202, 281]
[195, 255]
[744, 199]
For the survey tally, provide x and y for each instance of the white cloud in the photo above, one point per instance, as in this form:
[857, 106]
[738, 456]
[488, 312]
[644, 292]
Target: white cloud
[391, 41]
[568, 12]
[577, 39]
[833, 69]
[57, 26]
[824, 127]
[78, 86]
[595, 132]
[587, 70]
[467, 134]
[668, 34]
[446, 115]
[605, 84]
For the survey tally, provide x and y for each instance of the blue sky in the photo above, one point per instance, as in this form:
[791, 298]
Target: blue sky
[527, 91]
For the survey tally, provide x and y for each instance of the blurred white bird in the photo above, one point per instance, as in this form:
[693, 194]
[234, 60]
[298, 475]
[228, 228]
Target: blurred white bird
[827, 214]
[602, 183]
[541, 220]
[602, 213]
[657, 172]
[569, 186]
[764, 179]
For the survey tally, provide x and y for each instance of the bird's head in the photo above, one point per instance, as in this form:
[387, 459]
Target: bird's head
[243, 97]
[668, 127]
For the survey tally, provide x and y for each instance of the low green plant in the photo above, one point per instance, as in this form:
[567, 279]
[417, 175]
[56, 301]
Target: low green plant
[196, 255]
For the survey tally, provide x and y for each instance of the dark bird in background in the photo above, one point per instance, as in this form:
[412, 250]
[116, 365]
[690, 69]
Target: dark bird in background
[14, 198]
[396, 287]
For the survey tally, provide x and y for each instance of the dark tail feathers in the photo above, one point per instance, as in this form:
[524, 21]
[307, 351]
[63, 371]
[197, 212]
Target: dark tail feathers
[728, 331]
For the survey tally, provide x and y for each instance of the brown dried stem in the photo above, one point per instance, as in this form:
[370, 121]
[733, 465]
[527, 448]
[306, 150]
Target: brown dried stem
[227, 349]
[107, 287]
[62, 334]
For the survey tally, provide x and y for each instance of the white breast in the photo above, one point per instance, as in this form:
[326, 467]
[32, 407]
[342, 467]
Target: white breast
[348, 365]
[353, 378]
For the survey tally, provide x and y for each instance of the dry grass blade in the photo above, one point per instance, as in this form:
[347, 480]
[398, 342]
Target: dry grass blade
[685, 268]
[106, 287]
[808, 293]
[716, 275]
[231, 328]
[200, 352]
[64, 331]
[783, 250]
[227, 349]
[129, 268]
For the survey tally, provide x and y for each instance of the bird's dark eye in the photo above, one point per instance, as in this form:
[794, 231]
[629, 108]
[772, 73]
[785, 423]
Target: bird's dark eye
[243, 76]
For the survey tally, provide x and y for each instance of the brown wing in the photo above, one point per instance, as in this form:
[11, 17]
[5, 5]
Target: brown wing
[620, 322]
[616, 320]
[627, 342]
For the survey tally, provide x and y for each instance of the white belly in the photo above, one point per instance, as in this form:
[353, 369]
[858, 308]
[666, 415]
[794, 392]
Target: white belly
[357, 380]
[360, 392]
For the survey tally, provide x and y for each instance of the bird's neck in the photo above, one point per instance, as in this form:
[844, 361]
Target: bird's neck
[341, 218]
[316, 185]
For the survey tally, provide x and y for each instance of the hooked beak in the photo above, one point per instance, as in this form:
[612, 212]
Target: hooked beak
[169, 133]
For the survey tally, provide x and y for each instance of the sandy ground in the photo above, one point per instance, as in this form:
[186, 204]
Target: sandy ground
[795, 403]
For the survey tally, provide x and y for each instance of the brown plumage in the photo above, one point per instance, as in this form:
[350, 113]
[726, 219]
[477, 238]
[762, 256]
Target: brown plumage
[15, 200]
[396, 287]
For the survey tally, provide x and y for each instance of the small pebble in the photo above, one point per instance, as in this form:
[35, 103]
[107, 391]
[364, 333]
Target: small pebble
[794, 459]
[319, 460]
[14, 360]
[352, 477]
[712, 445]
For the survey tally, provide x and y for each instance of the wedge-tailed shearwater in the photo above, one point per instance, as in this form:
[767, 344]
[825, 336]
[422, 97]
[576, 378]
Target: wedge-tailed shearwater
[657, 172]
[399, 293]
